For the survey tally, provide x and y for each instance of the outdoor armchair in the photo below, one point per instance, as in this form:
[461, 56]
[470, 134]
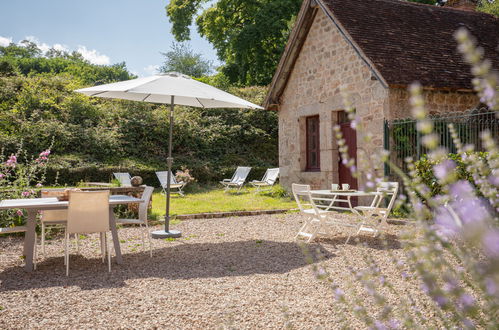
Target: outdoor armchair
[142, 220]
[124, 178]
[174, 184]
[269, 179]
[88, 212]
[238, 179]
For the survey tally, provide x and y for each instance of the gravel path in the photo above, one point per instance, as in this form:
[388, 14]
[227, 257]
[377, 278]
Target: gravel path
[241, 272]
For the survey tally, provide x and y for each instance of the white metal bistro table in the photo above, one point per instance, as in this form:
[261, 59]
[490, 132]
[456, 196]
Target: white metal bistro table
[34, 205]
[332, 196]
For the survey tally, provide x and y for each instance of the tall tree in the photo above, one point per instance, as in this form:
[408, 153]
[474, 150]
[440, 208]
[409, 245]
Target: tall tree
[181, 58]
[248, 35]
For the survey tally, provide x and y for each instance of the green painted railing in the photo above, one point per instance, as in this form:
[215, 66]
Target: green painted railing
[403, 140]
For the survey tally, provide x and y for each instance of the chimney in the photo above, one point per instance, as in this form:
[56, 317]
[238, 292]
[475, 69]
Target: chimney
[467, 5]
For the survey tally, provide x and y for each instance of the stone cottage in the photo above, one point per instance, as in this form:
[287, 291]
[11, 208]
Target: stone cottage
[374, 49]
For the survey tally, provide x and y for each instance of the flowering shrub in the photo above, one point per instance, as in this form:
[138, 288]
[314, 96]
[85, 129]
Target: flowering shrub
[21, 176]
[454, 255]
[184, 175]
[425, 166]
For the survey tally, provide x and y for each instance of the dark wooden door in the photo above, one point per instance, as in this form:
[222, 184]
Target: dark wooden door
[350, 136]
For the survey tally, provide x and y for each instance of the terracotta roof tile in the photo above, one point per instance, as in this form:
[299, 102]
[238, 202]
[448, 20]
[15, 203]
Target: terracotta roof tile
[408, 42]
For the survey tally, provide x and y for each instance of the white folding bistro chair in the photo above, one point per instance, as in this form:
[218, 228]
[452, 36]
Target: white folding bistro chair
[316, 219]
[124, 178]
[88, 212]
[142, 220]
[174, 184]
[20, 229]
[373, 217]
[238, 179]
[268, 180]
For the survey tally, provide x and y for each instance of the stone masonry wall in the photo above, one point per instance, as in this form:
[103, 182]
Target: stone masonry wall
[437, 102]
[326, 63]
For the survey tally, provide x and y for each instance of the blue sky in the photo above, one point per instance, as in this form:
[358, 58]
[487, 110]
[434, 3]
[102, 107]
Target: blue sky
[104, 31]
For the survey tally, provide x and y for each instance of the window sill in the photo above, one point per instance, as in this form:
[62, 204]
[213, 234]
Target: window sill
[312, 170]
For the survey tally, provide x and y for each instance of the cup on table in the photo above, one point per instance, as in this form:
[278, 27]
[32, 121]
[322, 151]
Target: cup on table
[335, 187]
[345, 186]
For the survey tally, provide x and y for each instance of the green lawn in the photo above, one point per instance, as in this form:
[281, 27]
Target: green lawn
[215, 200]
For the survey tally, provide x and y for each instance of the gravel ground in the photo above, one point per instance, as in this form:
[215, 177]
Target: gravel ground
[241, 272]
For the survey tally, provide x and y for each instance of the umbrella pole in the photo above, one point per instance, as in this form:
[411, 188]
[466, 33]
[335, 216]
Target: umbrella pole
[167, 233]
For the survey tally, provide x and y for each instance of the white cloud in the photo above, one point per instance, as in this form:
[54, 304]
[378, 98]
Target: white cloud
[61, 48]
[93, 56]
[43, 46]
[151, 69]
[4, 42]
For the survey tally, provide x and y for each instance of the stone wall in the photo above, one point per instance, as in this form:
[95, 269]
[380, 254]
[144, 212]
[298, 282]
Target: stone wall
[437, 102]
[326, 63]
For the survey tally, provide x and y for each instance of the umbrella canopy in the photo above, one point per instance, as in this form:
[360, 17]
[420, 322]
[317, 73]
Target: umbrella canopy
[169, 88]
[160, 89]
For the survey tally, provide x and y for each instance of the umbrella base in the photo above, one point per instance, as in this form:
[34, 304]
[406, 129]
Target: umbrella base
[166, 234]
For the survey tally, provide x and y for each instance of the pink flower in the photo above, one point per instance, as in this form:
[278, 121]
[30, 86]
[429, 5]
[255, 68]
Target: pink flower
[25, 193]
[20, 213]
[2, 175]
[44, 154]
[38, 185]
[12, 161]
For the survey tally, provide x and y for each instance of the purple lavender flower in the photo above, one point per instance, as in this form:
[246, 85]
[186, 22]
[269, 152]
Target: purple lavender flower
[490, 242]
[466, 301]
[491, 286]
[494, 180]
[461, 189]
[445, 223]
[488, 96]
[338, 294]
[354, 123]
[394, 324]
[378, 325]
[441, 301]
[443, 169]
[450, 284]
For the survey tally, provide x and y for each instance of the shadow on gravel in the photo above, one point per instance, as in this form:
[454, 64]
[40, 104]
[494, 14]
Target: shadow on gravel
[179, 261]
[381, 242]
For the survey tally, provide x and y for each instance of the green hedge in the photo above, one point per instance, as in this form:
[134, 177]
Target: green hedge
[71, 176]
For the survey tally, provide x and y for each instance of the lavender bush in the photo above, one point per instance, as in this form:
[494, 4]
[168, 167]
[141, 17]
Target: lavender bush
[453, 249]
[21, 176]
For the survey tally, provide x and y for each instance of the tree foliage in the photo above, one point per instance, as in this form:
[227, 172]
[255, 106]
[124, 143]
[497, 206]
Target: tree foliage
[37, 104]
[181, 58]
[248, 35]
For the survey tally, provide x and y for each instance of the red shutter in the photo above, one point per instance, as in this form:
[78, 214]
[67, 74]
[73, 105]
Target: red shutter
[313, 144]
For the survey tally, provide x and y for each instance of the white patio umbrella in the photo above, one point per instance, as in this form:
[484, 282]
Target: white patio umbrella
[169, 88]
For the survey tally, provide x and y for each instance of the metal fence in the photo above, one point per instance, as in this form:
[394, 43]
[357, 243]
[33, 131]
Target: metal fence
[403, 140]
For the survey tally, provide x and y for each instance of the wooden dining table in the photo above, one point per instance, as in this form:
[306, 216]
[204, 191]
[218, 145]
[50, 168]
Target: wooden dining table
[34, 205]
